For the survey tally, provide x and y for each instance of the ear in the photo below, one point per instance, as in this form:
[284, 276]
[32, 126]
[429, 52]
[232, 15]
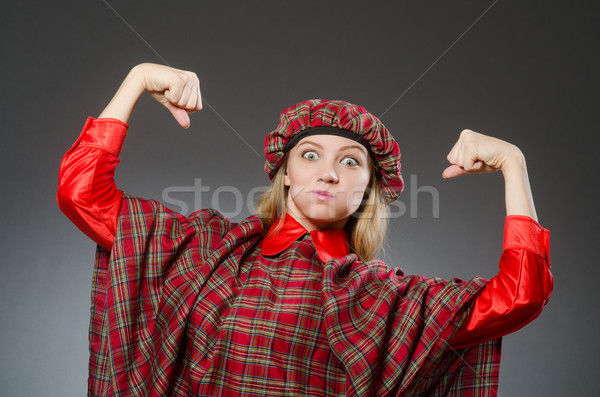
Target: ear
[286, 179]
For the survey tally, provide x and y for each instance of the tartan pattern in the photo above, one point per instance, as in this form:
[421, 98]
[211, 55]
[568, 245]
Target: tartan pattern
[344, 115]
[189, 306]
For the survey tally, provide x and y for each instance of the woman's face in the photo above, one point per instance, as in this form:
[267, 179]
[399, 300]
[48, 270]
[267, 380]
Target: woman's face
[327, 177]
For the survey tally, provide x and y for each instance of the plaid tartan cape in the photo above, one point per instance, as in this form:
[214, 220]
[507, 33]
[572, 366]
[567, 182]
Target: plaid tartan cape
[186, 306]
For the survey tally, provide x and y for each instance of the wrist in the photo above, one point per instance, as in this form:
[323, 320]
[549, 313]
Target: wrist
[135, 81]
[514, 162]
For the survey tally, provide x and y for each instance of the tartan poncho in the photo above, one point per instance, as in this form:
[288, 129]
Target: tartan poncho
[186, 306]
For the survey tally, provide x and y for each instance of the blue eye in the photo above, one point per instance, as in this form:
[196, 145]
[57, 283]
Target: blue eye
[350, 161]
[310, 155]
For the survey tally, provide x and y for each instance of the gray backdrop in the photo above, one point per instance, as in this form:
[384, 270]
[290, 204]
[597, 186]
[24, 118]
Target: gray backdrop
[525, 72]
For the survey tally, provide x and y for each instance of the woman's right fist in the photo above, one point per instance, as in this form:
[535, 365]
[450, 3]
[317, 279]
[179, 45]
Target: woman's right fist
[178, 90]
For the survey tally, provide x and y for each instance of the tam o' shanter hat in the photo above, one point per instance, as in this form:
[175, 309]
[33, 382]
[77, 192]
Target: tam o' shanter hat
[320, 116]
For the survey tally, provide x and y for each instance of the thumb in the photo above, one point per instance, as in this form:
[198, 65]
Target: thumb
[453, 171]
[179, 114]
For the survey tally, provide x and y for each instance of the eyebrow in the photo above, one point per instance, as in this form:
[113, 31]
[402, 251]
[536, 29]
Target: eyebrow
[360, 147]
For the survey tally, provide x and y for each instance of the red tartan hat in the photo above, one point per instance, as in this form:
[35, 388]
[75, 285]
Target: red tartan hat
[309, 117]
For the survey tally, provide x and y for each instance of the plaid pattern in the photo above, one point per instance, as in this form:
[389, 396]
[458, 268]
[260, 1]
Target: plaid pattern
[189, 306]
[344, 115]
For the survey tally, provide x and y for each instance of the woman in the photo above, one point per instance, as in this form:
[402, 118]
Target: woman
[291, 301]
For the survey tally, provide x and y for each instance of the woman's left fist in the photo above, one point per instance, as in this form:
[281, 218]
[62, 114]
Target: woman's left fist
[478, 153]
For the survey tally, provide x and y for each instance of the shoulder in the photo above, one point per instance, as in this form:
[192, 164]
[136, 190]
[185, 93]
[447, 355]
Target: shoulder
[152, 212]
[151, 223]
[376, 269]
[216, 222]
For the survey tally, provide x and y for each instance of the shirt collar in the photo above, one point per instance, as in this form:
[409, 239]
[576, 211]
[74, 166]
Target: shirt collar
[329, 243]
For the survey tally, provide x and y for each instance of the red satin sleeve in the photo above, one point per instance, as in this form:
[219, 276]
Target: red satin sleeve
[518, 293]
[87, 193]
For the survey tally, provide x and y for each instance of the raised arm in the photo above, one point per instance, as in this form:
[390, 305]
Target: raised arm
[87, 193]
[524, 283]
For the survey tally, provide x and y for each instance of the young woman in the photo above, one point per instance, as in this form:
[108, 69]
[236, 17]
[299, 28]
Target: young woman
[291, 301]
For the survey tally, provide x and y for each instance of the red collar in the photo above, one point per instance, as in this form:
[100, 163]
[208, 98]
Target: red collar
[329, 243]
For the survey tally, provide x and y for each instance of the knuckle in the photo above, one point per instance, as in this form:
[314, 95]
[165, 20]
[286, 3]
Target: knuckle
[188, 76]
[191, 103]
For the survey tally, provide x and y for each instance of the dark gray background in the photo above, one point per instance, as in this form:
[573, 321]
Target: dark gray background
[526, 72]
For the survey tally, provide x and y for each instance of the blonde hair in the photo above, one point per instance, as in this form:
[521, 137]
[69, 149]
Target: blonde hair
[366, 227]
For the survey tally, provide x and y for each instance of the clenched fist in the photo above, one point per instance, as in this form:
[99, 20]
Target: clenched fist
[178, 90]
[478, 153]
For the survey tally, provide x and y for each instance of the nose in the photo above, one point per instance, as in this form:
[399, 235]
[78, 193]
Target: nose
[329, 174]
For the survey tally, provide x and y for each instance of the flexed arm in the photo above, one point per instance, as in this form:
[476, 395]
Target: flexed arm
[87, 193]
[523, 285]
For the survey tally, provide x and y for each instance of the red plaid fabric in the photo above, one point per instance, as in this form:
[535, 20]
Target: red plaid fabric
[343, 115]
[186, 306]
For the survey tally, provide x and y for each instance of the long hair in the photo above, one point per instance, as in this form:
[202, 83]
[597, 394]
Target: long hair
[366, 227]
[273, 203]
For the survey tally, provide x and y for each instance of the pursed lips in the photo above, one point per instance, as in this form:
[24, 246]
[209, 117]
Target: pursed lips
[322, 194]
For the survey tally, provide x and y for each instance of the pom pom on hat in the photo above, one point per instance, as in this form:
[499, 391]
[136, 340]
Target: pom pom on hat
[342, 115]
